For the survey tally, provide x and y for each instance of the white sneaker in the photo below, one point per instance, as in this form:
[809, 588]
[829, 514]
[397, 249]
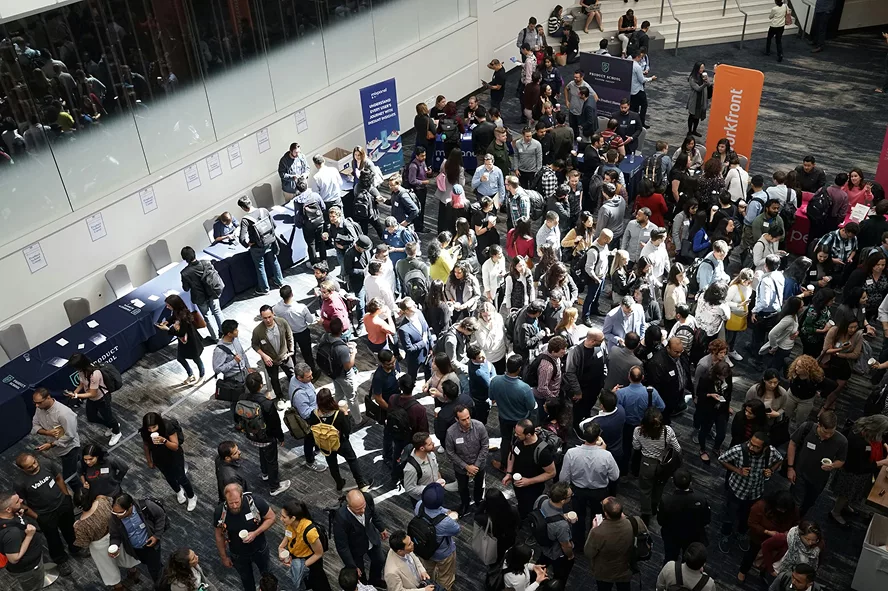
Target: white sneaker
[285, 484]
[180, 496]
[192, 503]
[115, 439]
[735, 355]
[316, 466]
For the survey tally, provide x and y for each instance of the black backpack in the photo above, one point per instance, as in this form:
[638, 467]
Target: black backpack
[402, 461]
[416, 284]
[693, 283]
[260, 229]
[312, 215]
[363, 207]
[112, 378]
[537, 204]
[398, 421]
[323, 537]
[679, 582]
[633, 45]
[159, 503]
[788, 210]
[819, 207]
[324, 355]
[212, 280]
[642, 546]
[421, 530]
[532, 374]
[653, 171]
[539, 523]
[448, 129]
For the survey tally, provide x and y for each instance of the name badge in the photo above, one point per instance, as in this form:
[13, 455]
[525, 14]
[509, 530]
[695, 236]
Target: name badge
[141, 526]
[686, 223]
[811, 445]
[650, 355]
[264, 342]
[672, 373]
[766, 224]
[813, 273]
[104, 470]
[598, 354]
[869, 281]
[517, 451]
[868, 448]
[459, 440]
[51, 483]
[288, 533]
[248, 516]
[632, 122]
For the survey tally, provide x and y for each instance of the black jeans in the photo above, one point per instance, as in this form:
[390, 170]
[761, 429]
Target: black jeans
[303, 341]
[819, 28]
[317, 248]
[99, 411]
[244, 567]
[805, 494]
[777, 34]
[638, 102]
[462, 480]
[736, 511]
[377, 563]
[52, 523]
[274, 377]
[608, 585]
[71, 469]
[506, 430]
[586, 501]
[526, 495]
[749, 555]
[152, 560]
[347, 452]
[376, 222]
[561, 566]
[481, 412]
[268, 464]
[174, 472]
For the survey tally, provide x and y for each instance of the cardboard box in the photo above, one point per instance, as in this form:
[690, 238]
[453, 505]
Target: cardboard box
[340, 159]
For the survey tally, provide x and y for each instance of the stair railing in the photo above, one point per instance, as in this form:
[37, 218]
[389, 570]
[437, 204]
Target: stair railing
[745, 18]
[675, 18]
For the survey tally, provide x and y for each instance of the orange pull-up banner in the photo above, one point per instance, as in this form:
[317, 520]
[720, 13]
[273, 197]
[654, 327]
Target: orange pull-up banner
[733, 112]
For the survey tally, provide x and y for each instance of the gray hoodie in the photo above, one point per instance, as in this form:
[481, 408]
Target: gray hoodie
[611, 214]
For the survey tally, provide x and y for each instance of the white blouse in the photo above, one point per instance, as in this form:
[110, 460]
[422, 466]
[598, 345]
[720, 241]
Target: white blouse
[520, 581]
[492, 274]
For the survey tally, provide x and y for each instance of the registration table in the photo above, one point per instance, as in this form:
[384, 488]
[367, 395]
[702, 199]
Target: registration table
[632, 167]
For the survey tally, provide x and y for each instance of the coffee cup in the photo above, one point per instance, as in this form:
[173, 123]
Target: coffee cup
[872, 361]
[343, 405]
[113, 549]
[242, 534]
[516, 477]
[571, 516]
[810, 288]
[826, 462]
[155, 436]
[283, 554]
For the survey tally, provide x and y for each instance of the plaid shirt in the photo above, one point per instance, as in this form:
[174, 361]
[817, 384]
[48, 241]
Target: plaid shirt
[549, 182]
[839, 248]
[750, 487]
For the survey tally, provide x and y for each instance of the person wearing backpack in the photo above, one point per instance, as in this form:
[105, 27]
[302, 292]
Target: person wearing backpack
[259, 422]
[533, 461]
[257, 234]
[304, 399]
[417, 466]
[162, 441]
[137, 528]
[358, 532]
[336, 358]
[687, 575]
[552, 528]
[432, 518]
[97, 392]
[303, 543]
[331, 428]
[243, 512]
[310, 216]
[203, 283]
[611, 546]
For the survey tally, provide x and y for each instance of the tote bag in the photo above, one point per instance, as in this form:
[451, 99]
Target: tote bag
[484, 544]
[737, 323]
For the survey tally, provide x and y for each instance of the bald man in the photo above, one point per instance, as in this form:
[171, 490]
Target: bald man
[585, 373]
[358, 533]
[669, 372]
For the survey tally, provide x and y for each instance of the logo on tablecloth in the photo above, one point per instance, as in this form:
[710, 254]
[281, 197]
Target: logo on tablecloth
[12, 382]
[605, 67]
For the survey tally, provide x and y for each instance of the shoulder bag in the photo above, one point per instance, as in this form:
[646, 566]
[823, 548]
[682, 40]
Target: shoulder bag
[670, 460]
[484, 544]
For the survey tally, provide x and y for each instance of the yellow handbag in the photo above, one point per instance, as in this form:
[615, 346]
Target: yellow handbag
[736, 322]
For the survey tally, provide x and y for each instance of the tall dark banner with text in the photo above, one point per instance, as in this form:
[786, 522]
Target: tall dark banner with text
[382, 128]
[610, 77]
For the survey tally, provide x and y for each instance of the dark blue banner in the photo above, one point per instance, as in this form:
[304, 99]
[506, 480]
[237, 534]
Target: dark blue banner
[382, 128]
[610, 77]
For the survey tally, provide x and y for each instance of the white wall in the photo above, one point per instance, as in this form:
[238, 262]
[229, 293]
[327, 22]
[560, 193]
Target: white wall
[447, 64]
[863, 13]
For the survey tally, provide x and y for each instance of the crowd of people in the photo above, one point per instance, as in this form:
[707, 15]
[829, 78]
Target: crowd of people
[588, 329]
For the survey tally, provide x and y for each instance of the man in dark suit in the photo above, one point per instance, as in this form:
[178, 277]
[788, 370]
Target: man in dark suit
[620, 360]
[683, 517]
[413, 334]
[669, 372]
[358, 532]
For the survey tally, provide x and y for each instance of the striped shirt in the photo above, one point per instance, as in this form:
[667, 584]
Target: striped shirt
[653, 448]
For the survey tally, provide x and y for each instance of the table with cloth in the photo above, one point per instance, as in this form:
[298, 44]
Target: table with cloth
[632, 168]
[797, 239]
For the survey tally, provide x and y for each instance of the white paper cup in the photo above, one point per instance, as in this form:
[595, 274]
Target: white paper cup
[826, 462]
[872, 361]
[113, 549]
[155, 435]
[343, 405]
[242, 534]
[284, 554]
[571, 516]
[516, 477]
[810, 288]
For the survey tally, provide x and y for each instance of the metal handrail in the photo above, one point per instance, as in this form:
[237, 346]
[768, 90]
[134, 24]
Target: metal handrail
[745, 18]
[675, 18]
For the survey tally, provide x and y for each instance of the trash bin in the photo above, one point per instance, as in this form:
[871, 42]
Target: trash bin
[872, 568]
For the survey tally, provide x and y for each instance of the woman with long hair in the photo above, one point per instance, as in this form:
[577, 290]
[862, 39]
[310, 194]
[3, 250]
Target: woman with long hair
[462, 291]
[698, 101]
[676, 292]
[442, 371]
[823, 269]
[100, 474]
[548, 257]
[465, 242]
[739, 292]
[776, 26]
[379, 325]
[504, 521]
[301, 549]
[711, 185]
[98, 400]
[648, 197]
[804, 542]
[489, 336]
[681, 228]
[816, 321]
[493, 272]
[872, 278]
[436, 308]
[650, 439]
[329, 413]
[795, 277]
[701, 245]
[520, 289]
[867, 453]
[781, 338]
[714, 391]
[520, 241]
[621, 277]
[190, 345]
[568, 328]
[183, 572]
[425, 129]
[92, 532]
[854, 303]
[807, 380]
[162, 443]
[442, 257]
[774, 514]
[558, 277]
[519, 573]
[581, 236]
[751, 419]
[723, 153]
[651, 343]
[712, 311]
[771, 394]
[858, 190]
[452, 173]
[841, 349]
[694, 154]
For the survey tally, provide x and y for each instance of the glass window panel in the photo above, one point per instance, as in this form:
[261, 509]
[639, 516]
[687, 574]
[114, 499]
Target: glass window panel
[396, 24]
[294, 44]
[348, 37]
[232, 54]
[446, 13]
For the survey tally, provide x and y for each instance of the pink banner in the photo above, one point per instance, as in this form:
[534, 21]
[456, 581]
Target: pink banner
[882, 169]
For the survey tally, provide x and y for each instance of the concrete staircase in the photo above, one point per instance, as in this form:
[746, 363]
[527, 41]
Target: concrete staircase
[702, 22]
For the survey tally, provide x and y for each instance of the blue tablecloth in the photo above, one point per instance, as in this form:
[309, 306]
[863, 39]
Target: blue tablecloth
[120, 333]
[632, 168]
[470, 163]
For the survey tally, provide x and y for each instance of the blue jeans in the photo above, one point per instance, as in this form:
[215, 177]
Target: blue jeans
[592, 294]
[261, 258]
[181, 358]
[205, 309]
[298, 572]
[820, 26]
